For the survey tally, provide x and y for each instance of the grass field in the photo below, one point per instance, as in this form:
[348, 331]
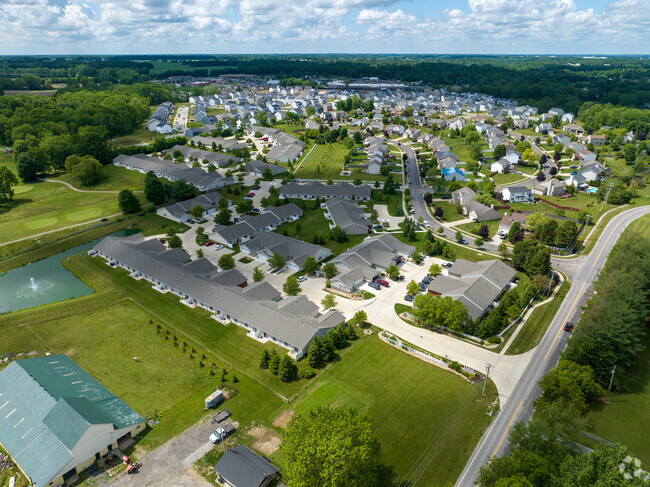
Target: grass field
[473, 227]
[326, 162]
[450, 214]
[625, 419]
[406, 413]
[137, 137]
[535, 326]
[458, 146]
[112, 178]
[462, 251]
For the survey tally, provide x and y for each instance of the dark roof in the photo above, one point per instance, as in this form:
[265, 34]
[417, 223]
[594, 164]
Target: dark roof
[242, 467]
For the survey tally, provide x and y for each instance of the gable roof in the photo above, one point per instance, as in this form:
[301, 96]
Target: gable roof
[242, 467]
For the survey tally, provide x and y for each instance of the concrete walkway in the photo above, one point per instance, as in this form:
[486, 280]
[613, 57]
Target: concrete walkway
[69, 186]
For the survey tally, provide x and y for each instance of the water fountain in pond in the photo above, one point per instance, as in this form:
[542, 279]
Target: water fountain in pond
[34, 285]
[34, 288]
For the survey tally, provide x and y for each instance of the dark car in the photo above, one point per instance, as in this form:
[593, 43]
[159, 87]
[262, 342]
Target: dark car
[374, 285]
[445, 197]
[255, 187]
[382, 282]
[409, 298]
[250, 195]
[568, 326]
[427, 280]
[423, 286]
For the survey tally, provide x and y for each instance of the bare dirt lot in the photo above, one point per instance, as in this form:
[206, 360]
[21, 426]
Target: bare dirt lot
[283, 419]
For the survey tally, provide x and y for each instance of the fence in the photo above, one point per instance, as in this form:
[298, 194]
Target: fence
[555, 205]
[394, 341]
[453, 332]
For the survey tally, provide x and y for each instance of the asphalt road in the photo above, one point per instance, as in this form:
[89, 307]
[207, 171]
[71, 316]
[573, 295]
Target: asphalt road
[519, 405]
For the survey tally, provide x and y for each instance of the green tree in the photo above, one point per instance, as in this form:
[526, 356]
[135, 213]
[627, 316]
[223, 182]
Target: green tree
[7, 179]
[343, 449]
[267, 174]
[199, 253]
[223, 217]
[393, 271]
[265, 359]
[329, 270]
[360, 317]
[565, 233]
[459, 236]
[338, 234]
[390, 187]
[570, 382]
[274, 363]
[85, 170]
[525, 468]
[197, 212]
[499, 151]
[412, 288]
[127, 202]
[292, 286]
[258, 274]
[315, 353]
[435, 270]
[479, 242]
[154, 190]
[226, 261]
[288, 369]
[310, 265]
[435, 311]
[277, 261]
[26, 167]
[329, 301]
[245, 206]
[597, 468]
[174, 241]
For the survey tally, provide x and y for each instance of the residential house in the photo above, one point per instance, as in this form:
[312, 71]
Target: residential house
[413, 133]
[585, 155]
[478, 285]
[479, 212]
[544, 128]
[257, 168]
[57, 419]
[550, 187]
[573, 128]
[255, 308]
[458, 123]
[314, 190]
[241, 467]
[346, 214]
[376, 252]
[502, 166]
[180, 212]
[249, 226]
[463, 196]
[453, 174]
[351, 280]
[508, 219]
[264, 245]
[518, 194]
[597, 139]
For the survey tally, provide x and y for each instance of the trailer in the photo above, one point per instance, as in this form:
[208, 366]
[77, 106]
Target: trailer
[220, 416]
[213, 399]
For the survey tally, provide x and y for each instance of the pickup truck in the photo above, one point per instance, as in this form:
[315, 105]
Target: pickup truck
[221, 432]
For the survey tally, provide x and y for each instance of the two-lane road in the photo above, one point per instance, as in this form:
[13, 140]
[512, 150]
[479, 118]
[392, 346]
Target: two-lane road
[519, 405]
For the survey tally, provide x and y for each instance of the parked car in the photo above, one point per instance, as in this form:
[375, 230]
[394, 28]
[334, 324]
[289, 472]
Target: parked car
[503, 236]
[410, 180]
[257, 210]
[382, 282]
[412, 211]
[209, 244]
[573, 166]
[568, 326]
[236, 219]
[423, 286]
[447, 264]
[463, 241]
[218, 247]
[374, 285]
[378, 227]
[221, 432]
[426, 223]
[573, 173]
[255, 187]
[162, 240]
[302, 278]
[427, 280]
[445, 197]
[250, 195]
[189, 220]
[409, 298]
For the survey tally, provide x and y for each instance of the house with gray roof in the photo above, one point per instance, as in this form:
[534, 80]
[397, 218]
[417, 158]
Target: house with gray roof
[348, 215]
[376, 252]
[204, 157]
[479, 212]
[180, 212]
[294, 251]
[257, 168]
[550, 187]
[314, 190]
[254, 308]
[249, 226]
[241, 467]
[351, 280]
[478, 285]
[463, 195]
[518, 194]
[57, 419]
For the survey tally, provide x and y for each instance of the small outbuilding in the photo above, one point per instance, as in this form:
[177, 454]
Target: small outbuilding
[241, 467]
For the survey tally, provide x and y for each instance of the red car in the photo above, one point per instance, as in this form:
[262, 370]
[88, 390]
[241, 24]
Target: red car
[568, 326]
[381, 282]
[209, 244]
[250, 195]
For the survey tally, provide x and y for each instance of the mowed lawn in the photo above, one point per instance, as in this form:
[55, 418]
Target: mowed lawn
[625, 419]
[411, 403]
[113, 178]
[325, 161]
[164, 383]
[41, 206]
[473, 227]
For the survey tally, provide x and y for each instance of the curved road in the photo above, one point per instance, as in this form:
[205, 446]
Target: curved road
[518, 407]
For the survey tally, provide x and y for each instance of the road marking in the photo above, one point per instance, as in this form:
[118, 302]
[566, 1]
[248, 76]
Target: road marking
[565, 319]
[605, 244]
[503, 436]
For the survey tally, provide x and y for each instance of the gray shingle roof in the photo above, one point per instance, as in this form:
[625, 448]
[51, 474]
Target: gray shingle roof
[326, 191]
[243, 468]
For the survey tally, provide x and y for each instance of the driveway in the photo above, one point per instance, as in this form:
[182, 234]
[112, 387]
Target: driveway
[171, 464]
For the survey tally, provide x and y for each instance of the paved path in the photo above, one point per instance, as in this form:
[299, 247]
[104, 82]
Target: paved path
[69, 186]
[519, 406]
[171, 464]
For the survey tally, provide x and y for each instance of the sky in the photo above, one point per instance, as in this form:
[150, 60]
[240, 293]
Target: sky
[325, 26]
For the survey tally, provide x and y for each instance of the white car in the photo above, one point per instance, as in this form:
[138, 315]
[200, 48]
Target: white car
[426, 223]
[218, 247]
[217, 435]
[302, 279]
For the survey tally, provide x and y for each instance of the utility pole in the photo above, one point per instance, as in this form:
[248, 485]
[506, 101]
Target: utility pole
[609, 188]
[611, 380]
[488, 366]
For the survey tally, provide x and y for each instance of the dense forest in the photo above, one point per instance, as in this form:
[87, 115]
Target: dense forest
[545, 82]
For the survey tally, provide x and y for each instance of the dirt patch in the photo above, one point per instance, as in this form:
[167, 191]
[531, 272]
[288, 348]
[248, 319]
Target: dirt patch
[283, 419]
[268, 442]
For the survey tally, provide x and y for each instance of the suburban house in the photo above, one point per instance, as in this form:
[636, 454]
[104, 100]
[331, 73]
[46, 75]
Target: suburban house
[199, 178]
[544, 128]
[573, 128]
[294, 251]
[413, 133]
[57, 419]
[249, 226]
[314, 190]
[257, 168]
[551, 187]
[286, 147]
[158, 121]
[503, 165]
[256, 308]
[596, 139]
[180, 212]
[585, 155]
[463, 195]
[518, 194]
[351, 280]
[479, 212]
[241, 467]
[376, 252]
[508, 219]
[453, 174]
[346, 214]
[478, 285]
[204, 157]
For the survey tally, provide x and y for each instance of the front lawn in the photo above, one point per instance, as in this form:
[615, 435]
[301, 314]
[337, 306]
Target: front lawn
[112, 178]
[137, 137]
[326, 162]
[407, 413]
[473, 227]
[449, 211]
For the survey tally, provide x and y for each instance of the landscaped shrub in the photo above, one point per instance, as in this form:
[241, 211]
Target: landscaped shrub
[307, 373]
[455, 366]
[494, 339]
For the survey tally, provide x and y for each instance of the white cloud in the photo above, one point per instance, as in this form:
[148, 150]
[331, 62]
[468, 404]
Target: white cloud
[481, 26]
